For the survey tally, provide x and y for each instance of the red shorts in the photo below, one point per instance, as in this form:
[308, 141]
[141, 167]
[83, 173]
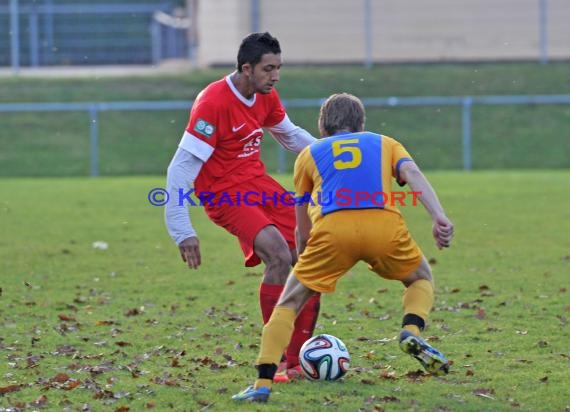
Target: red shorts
[246, 209]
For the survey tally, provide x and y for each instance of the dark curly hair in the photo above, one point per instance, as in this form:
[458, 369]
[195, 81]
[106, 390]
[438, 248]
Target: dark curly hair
[254, 46]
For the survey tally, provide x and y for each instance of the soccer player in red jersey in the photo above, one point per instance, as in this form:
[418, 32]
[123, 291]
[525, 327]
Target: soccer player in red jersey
[219, 154]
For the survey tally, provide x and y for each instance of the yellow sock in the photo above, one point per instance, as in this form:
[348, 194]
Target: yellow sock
[262, 382]
[418, 300]
[274, 339]
[412, 328]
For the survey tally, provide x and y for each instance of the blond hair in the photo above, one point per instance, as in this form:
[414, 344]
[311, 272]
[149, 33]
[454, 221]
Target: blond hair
[341, 111]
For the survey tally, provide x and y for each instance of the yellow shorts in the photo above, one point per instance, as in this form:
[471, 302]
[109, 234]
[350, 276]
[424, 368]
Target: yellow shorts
[340, 239]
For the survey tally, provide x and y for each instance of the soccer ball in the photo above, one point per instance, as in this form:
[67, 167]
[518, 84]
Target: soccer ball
[324, 358]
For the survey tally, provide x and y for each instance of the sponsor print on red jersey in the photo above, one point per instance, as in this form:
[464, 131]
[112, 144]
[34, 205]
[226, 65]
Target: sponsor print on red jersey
[225, 131]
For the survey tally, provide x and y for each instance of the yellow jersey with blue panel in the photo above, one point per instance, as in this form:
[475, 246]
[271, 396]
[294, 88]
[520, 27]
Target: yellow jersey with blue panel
[346, 179]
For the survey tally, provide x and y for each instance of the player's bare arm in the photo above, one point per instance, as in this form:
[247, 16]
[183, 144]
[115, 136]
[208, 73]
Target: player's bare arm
[304, 225]
[442, 227]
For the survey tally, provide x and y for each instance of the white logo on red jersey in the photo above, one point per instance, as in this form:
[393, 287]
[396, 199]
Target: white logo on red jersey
[252, 146]
[256, 131]
[235, 129]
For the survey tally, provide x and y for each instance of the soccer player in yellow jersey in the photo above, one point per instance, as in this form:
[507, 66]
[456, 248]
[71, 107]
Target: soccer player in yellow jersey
[345, 214]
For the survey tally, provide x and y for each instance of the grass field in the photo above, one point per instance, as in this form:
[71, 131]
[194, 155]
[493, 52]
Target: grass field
[130, 328]
[142, 142]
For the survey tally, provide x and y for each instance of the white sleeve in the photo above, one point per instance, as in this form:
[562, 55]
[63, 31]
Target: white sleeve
[181, 174]
[291, 136]
[195, 146]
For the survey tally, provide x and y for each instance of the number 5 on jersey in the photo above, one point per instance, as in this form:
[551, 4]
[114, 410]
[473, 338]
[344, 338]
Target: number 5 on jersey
[349, 146]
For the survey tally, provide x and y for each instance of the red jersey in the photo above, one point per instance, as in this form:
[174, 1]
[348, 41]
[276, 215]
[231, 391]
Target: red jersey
[225, 132]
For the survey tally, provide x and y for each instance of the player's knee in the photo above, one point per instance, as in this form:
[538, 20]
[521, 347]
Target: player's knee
[422, 272]
[279, 260]
[272, 248]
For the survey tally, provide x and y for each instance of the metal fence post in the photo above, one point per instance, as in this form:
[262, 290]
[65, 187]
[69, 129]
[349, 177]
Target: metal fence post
[466, 103]
[255, 23]
[94, 139]
[34, 44]
[368, 35]
[280, 159]
[14, 36]
[543, 30]
[156, 41]
[49, 33]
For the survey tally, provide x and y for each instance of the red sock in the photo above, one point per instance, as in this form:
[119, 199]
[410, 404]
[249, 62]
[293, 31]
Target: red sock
[268, 297]
[304, 328]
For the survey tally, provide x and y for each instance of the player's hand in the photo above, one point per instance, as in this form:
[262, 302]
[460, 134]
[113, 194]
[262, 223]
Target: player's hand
[190, 252]
[442, 231]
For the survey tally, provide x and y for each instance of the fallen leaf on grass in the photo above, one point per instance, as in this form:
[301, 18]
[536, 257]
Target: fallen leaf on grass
[104, 323]
[165, 379]
[388, 376]
[416, 376]
[363, 339]
[60, 378]
[32, 361]
[71, 384]
[481, 314]
[484, 392]
[65, 350]
[39, 402]
[524, 361]
[134, 311]
[10, 389]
